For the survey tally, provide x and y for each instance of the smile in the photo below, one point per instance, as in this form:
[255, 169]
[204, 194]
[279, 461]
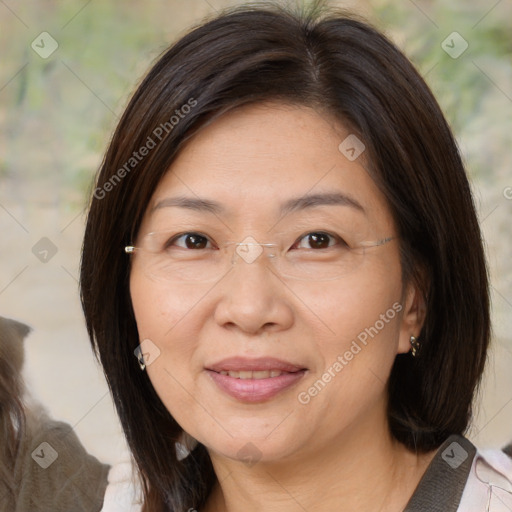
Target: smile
[261, 374]
[254, 386]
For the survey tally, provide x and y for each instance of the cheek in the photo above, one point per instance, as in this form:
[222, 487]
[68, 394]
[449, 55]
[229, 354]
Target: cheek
[360, 317]
[357, 352]
[158, 306]
[166, 317]
[349, 306]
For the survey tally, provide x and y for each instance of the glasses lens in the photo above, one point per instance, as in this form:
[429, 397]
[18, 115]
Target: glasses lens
[187, 257]
[192, 257]
[317, 265]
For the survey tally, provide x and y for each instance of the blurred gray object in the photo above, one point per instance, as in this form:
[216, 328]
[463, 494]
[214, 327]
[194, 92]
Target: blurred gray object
[43, 465]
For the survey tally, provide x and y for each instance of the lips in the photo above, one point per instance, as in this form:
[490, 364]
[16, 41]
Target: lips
[244, 364]
[259, 374]
[254, 380]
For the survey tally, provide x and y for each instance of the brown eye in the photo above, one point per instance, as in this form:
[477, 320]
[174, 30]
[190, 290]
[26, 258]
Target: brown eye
[190, 241]
[316, 240]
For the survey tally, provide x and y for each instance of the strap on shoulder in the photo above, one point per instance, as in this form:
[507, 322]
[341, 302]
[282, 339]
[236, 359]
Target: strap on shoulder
[442, 485]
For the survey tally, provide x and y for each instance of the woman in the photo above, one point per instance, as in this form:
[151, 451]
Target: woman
[283, 234]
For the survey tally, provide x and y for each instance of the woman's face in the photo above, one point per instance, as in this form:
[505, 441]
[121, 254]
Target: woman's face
[263, 172]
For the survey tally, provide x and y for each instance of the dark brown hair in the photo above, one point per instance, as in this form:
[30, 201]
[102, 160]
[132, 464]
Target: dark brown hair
[332, 62]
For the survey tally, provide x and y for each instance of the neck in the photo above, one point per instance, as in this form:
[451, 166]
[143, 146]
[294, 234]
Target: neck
[357, 471]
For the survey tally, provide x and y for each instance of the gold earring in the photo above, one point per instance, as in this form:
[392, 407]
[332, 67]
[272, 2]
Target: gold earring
[415, 346]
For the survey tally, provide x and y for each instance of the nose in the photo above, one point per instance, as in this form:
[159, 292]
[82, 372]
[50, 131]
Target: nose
[252, 297]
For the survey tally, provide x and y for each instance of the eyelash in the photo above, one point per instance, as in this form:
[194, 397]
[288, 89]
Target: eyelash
[336, 238]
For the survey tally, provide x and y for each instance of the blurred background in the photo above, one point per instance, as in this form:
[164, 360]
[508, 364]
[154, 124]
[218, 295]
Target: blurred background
[67, 70]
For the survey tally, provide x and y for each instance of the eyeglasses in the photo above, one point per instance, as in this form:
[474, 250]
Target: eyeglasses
[194, 260]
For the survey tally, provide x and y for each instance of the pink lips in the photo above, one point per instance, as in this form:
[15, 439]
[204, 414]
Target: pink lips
[254, 390]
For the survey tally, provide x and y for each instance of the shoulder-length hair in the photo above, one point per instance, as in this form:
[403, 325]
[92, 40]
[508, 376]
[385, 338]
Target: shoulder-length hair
[337, 64]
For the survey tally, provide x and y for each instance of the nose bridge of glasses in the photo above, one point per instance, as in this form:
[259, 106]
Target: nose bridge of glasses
[249, 250]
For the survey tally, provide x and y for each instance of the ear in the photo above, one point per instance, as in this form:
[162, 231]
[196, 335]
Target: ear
[413, 316]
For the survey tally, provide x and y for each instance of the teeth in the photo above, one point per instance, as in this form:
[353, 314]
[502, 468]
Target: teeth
[260, 374]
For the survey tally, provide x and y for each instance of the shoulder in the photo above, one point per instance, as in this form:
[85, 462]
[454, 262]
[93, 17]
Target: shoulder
[489, 484]
[55, 470]
[124, 491]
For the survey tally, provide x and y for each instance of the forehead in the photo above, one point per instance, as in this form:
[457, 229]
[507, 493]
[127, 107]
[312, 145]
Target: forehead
[257, 159]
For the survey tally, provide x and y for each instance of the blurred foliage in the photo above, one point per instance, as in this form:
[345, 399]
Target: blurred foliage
[489, 39]
[473, 90]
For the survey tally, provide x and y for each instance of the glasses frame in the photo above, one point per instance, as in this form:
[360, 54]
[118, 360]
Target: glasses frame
[131, 249]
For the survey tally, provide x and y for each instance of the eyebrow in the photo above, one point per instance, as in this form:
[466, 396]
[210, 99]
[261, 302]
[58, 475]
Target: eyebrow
[325, 199]
[291, 205]
[192, 203]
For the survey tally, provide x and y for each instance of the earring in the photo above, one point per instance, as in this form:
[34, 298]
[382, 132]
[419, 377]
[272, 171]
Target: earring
[142, 364]
[185, 445]
[415, 346]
